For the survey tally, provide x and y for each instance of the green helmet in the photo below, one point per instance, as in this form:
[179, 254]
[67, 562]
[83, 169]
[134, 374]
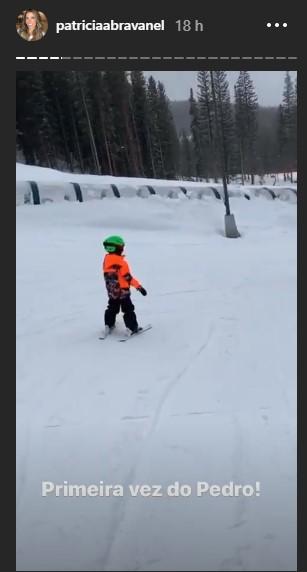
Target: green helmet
[114, 244]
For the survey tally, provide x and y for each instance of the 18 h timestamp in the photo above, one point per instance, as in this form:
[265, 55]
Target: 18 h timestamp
[190, 26]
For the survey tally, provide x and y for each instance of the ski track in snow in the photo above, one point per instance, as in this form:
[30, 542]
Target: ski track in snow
[214, 364]
[131, 477]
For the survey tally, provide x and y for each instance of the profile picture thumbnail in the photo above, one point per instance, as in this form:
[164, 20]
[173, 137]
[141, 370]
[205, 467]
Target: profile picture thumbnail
[32, 25]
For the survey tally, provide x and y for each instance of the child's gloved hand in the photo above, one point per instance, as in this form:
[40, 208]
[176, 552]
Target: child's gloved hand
[142, 290]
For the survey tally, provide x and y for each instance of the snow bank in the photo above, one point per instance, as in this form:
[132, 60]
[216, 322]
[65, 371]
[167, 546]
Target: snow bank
[57, 186]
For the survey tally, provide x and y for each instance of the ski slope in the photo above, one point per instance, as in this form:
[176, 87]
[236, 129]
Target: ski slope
[209, 394]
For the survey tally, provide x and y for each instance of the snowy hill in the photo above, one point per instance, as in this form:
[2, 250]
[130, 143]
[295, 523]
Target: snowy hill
[209, 394]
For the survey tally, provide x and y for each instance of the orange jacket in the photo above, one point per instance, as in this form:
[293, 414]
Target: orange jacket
[115, 267]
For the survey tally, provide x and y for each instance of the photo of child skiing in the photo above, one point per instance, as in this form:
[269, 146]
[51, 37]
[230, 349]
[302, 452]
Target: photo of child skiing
[118, 281]
[157, 208]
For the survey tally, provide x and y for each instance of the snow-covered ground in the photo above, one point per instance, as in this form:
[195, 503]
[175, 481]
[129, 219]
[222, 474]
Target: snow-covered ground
[209, 394]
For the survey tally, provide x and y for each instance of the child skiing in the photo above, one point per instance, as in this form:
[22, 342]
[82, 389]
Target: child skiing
[118, 280]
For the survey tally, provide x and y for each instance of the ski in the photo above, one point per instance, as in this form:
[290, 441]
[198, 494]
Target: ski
[140, 331]
[108, 331]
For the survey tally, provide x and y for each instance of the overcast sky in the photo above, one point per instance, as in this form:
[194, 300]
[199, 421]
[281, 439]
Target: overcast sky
[268, 84]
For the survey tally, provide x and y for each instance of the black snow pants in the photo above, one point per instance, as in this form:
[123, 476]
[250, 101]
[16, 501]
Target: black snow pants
[126, 306]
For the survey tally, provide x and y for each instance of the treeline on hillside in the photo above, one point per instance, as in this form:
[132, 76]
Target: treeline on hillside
[118, 123]
[96, 122]
[266, 145]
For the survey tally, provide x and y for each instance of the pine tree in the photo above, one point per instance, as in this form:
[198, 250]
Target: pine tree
[206, 120]
[140, 114]
[154, 128]
[223, 126]
[80, 115]
[246, 108]
[64, 95]
[196, 136]
[88, 116]
[102, 120]
[282, 141]
[167, 134]
[289, 111]
[124, 148]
